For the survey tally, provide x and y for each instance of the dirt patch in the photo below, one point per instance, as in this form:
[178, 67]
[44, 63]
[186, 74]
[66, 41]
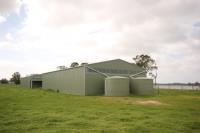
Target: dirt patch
[127, 100]
[149, 102]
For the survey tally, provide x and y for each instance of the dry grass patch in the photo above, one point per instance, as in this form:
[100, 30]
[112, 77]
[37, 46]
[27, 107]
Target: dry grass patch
[149, 102]
[127, 100]
[191, 97]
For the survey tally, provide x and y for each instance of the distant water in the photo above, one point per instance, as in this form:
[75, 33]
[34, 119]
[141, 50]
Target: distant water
[180, 87]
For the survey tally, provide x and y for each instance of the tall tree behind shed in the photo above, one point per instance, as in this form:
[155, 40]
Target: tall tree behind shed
[146, 62]
[16, 78]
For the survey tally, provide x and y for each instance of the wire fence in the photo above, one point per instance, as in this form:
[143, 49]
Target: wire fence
[179, 87]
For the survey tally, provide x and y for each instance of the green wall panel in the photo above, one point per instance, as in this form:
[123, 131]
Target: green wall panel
[71, 81]
[94, 84]
[25, 82]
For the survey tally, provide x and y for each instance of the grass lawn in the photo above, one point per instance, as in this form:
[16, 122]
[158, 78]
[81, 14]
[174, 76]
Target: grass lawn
[25, 110]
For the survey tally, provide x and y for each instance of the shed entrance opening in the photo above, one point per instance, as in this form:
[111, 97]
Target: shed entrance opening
[36, 84]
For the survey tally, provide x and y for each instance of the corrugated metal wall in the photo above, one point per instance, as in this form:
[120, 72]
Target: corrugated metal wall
[94, 84]
[25, 82]
[71, 81]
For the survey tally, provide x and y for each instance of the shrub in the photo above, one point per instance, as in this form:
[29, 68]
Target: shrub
[4, 81]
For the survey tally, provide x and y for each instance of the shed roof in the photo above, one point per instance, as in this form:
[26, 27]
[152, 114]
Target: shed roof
[102, 62]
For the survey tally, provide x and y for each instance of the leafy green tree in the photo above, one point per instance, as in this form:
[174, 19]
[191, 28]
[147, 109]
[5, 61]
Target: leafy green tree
[4, 81]
[146, 62]
[74, 64]
[16, 78]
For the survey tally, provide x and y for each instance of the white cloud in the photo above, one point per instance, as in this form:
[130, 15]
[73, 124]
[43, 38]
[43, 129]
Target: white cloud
[60, 32]
[2, 19]
[6, 6]
[8, 36]
[23, 67]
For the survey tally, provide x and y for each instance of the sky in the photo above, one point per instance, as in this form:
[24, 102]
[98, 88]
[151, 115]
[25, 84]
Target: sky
[36, 36]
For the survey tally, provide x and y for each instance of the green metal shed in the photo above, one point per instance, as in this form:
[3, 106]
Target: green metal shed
[87, 79]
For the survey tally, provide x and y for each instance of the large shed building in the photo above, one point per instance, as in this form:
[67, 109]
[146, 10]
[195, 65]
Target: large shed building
[85, 80]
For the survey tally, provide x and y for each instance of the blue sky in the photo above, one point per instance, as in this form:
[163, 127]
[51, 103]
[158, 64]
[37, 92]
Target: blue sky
[13, 23]
[37, 36]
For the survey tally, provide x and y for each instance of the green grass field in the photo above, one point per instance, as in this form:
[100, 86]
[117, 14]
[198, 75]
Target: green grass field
[39, 111]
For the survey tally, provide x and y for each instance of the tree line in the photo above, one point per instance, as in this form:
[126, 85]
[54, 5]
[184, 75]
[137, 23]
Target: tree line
[14, 79]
